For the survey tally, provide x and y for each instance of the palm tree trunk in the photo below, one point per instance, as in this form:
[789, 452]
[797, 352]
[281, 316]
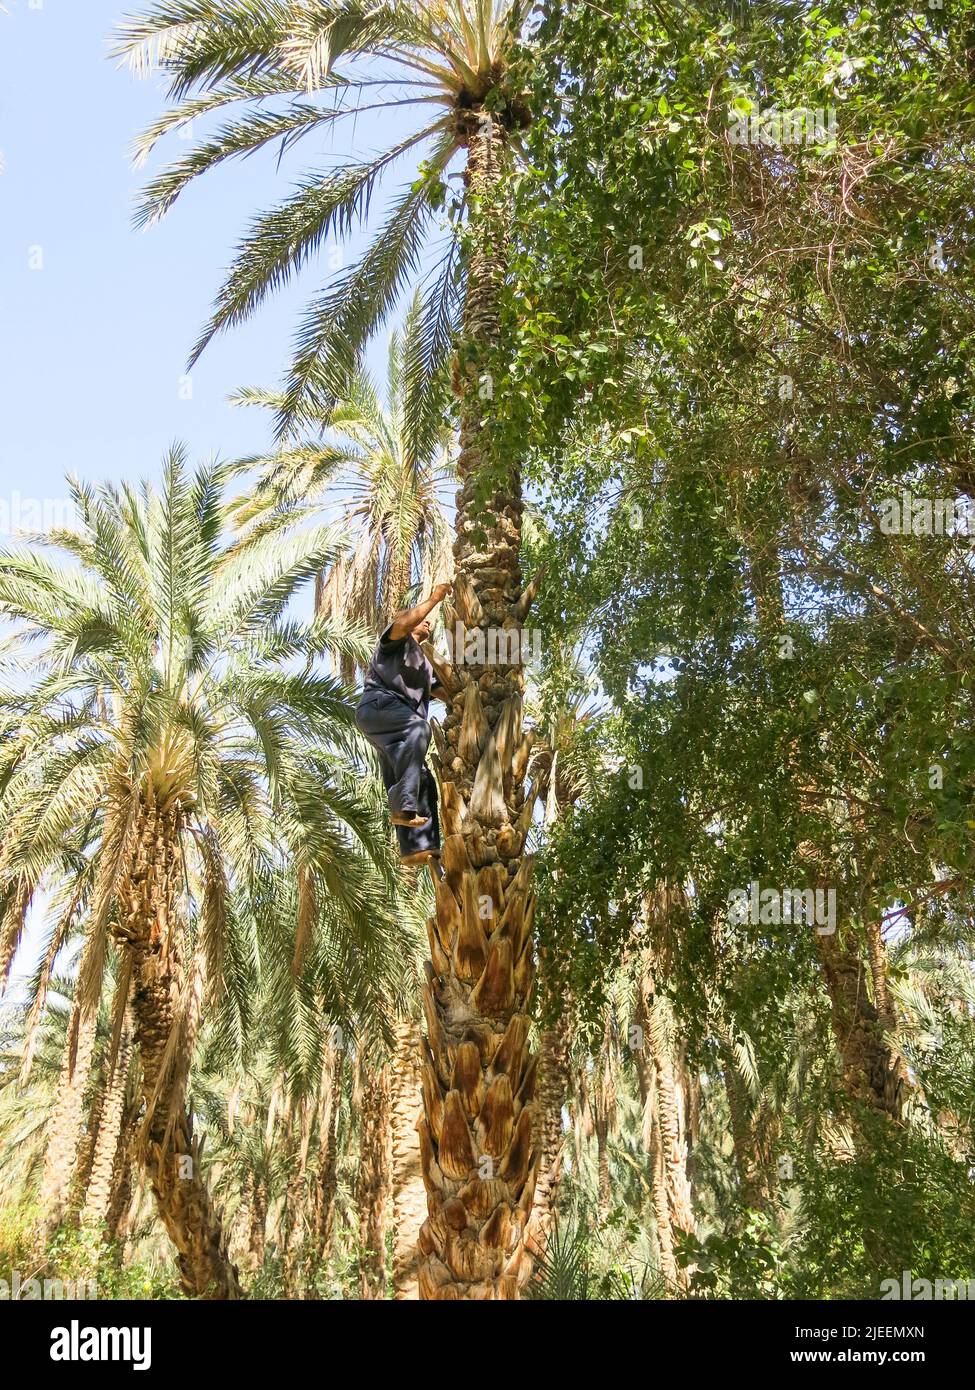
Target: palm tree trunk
[169, 1151]
[120, 1191]
[330, 1099]
[239, 1234]
[672, 1191]
[96, 1188]
[85, 1161]
[13, 916]
[477, 1142]
[372, 1185]
[877, 955]
[661, 1207]
[67, 1123]
[257, 1235]
[296, 1205]
[554, 1088]
[674, 1143]
[874, 1071]
[409, 1197]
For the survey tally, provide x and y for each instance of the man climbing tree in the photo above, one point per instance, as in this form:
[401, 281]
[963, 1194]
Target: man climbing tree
[393, 715]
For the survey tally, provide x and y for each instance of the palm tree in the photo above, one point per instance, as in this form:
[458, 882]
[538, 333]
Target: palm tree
[361, 462]
[156, 711]
[299, 67]
[443, 76]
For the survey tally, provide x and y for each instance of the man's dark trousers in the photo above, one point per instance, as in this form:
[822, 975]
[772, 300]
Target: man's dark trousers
[401, 738]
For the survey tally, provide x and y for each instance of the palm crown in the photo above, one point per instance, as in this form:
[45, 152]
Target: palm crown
[160, 661]
[290, 69]
[387, 482]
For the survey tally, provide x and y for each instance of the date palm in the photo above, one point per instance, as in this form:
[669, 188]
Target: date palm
[154, 706]
[360, 462]
[293, 69]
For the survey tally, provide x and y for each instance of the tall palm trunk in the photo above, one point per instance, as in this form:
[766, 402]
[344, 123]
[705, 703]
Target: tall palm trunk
[874, 1070]
[409, 1200]
[674, 1142]
[67, 1124]
[372, 1183]
[257, 1236]
[476, 1138]
[554, 1089]
[120, 1199]
[673, 1209]
[877, 955]
[95, 1185]
[330, 1101]
[296, 1206]
[170, 1152]
[663, 1217]
[653, 1143]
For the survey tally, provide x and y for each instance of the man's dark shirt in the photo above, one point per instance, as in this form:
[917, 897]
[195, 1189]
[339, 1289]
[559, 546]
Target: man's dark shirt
[402, 668]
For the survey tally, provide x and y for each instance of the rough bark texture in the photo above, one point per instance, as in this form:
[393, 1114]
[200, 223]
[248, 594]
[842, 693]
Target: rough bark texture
[67, 1124]
[604, 1119]
[13, 915]
[877, 955]
[554, 1088]
[257, 1237]
[873, 1069]
[661, 1209]
[330, 1100]
[296, 1208]
[656, 1069]
[674, 1144]
[110, 1132]
[409, 1196]
[169, 1150]
[81, 1177]
[120, 1201]
[476, 1138]
[373, 1179]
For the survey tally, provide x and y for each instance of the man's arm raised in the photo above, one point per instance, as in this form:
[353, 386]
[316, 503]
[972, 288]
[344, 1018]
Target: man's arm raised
[405, 621]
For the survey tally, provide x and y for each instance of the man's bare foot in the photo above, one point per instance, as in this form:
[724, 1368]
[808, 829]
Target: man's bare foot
[422, 856]
[411, 819]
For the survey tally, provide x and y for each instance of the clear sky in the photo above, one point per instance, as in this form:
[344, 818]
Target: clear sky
[98, 317]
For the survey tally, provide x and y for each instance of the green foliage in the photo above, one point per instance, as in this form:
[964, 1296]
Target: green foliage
[79, 1260]
[744, 1262]
[721, 359]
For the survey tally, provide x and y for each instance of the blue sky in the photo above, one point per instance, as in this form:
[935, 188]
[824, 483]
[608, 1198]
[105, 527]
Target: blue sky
[95, 339]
